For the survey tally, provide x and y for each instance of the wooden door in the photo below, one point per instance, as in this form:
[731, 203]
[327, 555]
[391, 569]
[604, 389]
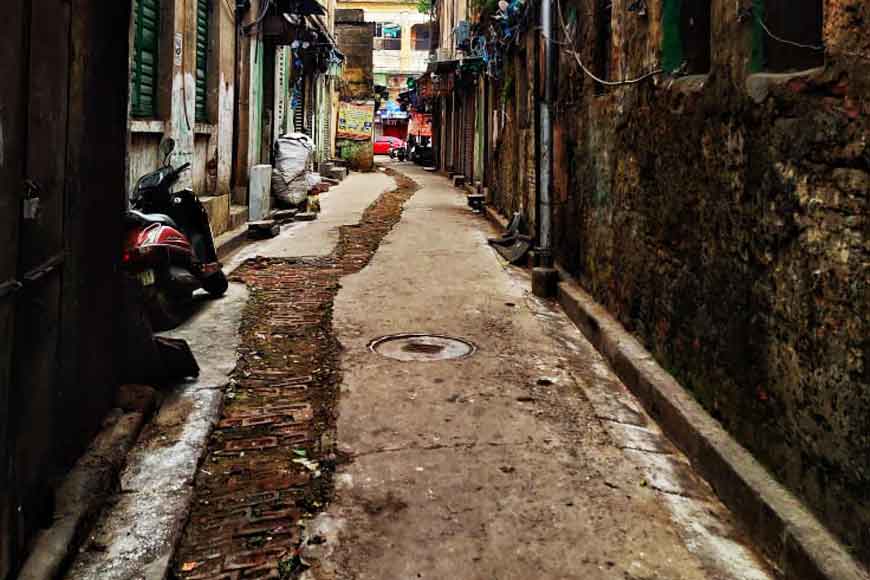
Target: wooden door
[35, 58]
[62, 135]
[12, 114]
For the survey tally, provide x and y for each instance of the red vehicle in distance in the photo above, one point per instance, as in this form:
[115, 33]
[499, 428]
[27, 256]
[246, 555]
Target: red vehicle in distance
[389, 145]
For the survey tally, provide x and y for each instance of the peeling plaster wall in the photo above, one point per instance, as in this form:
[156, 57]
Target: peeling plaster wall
[207, 146]
[512, 164]
[724, 220]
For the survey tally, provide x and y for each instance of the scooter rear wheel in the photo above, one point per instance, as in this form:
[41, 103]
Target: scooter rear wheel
[165, 311]
[216, 284]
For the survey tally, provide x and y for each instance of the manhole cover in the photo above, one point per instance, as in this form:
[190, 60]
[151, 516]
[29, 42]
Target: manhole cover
[421, 347]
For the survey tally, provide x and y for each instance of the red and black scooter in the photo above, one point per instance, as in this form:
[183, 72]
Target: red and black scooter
[169, 245]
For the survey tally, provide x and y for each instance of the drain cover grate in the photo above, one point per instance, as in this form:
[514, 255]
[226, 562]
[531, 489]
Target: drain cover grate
[421, 347]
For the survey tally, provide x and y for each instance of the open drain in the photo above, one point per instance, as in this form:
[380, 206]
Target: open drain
[421, 347]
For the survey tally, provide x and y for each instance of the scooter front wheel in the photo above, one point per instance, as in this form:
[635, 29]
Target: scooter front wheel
[216, 284]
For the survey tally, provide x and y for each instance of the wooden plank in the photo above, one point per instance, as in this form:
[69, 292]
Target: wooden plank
[12, 111]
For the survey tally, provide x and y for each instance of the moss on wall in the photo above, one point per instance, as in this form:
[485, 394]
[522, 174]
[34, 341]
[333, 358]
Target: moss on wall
[727, 228]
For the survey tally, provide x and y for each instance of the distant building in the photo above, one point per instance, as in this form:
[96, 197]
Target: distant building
[401, 51]
[224, 83]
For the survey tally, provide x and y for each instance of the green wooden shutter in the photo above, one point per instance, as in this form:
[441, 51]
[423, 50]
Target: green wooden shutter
[202, 30]
[146, 45]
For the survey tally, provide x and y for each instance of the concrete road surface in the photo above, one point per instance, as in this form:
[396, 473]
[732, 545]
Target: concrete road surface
[526, 460]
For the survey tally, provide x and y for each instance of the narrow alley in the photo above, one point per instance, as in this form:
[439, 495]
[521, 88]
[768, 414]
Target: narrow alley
[435, 290]
[499, 464]
[333, 460]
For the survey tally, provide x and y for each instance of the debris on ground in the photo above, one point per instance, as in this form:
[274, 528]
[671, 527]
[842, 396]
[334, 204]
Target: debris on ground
[263, 229]
[514, 244]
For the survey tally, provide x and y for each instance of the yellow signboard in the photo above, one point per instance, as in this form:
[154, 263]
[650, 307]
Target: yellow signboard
[355, 121]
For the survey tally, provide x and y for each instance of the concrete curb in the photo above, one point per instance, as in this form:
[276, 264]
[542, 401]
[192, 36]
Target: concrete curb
[229, 241]
[782, 527]
[84, 491]
[495, 217]
[136, 534]
[794, 540]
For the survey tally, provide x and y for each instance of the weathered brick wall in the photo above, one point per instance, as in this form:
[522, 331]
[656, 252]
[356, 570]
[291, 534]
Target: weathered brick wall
[355, 38]
[512, 164]
[724, 220]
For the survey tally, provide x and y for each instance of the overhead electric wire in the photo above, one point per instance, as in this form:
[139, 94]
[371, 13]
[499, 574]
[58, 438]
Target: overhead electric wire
[816, 47]
[264, 10]
[589, 73]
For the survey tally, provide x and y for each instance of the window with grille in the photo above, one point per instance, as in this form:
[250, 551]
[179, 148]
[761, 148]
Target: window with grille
[686, 36]
[388, 36]
[788, 35]
[202, 38]
[146, 48]
[420, 36]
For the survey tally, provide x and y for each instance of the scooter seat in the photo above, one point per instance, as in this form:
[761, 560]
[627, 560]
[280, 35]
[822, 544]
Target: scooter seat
[152, 218]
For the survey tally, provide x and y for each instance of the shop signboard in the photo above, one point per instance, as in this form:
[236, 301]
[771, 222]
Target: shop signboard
[355, 121]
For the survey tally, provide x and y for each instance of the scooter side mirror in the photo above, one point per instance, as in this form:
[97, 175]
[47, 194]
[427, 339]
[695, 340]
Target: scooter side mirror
[167, 146]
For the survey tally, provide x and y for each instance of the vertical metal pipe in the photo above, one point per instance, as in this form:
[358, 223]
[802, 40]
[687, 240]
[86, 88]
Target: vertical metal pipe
[545, 159]
[545, 279]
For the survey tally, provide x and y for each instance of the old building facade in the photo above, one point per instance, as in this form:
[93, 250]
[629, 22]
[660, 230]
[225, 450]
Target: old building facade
[84, 105]
[62, 133]
[223, 80]
[400, 51]
[709, 186]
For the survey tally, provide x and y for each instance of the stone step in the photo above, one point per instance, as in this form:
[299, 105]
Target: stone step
[238, 216]
[217, 207]
[337, 173]
[284, 215]
[263, 229]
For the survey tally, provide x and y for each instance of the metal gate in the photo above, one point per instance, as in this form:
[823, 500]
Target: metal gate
[58, 100]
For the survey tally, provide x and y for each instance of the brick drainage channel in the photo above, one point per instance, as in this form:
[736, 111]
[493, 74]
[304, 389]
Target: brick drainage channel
[270, 460]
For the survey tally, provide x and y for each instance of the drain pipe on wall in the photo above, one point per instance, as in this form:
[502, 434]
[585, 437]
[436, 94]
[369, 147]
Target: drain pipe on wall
[544, 276]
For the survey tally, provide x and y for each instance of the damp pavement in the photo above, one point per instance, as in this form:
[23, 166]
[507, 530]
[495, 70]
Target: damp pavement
[520, 456]
[525, 459]
[138, 533]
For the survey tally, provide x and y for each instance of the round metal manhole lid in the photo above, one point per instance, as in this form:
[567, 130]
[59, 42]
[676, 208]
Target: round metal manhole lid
[422, 347]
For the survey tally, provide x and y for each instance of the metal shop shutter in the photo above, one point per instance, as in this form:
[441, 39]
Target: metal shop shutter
[468, 137]
[202, 29]
[146, 45]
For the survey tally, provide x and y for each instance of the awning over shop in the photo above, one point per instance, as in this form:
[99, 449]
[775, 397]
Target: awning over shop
[461, 64]
[305, 31]
[300, 7]
[442, 66]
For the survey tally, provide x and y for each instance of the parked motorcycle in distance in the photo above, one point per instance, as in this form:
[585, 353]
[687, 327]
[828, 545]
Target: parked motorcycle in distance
[169, 245]
[398, 152]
